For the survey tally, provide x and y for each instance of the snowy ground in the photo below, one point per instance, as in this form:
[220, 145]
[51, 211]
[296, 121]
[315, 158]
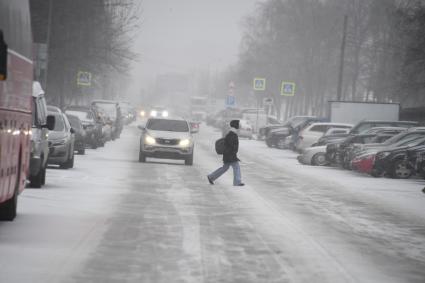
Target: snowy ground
[112, 219]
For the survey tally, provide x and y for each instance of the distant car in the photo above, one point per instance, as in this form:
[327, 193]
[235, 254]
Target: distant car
[166, 138]
[194, 126]
[311, 134]
[112, 116]
[80, 134]
[159, 112]
[245, 129]
[39, 138]
[61, 142]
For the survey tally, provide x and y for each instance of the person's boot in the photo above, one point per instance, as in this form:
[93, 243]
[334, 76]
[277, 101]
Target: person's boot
[209, 180]
[240, 185]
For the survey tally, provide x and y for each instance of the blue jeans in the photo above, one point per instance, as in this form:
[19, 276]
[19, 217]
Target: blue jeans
[220, 171]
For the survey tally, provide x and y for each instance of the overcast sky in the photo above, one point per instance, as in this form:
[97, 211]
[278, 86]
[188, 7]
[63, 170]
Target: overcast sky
[183, 35]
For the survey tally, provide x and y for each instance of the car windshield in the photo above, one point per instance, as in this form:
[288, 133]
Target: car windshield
[82, 115]
[59, 122]
[168, 125]
[75, 122]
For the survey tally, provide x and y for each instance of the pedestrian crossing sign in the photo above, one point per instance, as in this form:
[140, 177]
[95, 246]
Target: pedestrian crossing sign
[259, 84]
[287, 89]
[84, 78]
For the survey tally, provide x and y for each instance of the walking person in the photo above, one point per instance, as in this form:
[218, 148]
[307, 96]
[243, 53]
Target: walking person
[230, 158]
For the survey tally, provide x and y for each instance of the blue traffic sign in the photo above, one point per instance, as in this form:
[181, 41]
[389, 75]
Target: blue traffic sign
[259, 84]
[230, 101]
[287, 89]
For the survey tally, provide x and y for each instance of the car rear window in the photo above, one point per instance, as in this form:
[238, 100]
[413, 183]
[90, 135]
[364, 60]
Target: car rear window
[168, 125]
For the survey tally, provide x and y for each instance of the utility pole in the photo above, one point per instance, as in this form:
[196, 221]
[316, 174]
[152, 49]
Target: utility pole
[341, 59]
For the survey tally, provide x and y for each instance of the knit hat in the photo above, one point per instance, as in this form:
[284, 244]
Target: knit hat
[234, 124]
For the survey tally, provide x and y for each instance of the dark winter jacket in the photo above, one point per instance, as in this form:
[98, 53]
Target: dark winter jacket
[231, 146]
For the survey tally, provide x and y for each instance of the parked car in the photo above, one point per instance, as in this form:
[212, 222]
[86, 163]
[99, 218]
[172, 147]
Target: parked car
[314, 156]
[80, 134]
[398, 162]
[363, 126]
[277, 137]
[92, 124]
[39, 141]
[336, 153]
[166, 138]
[365, 160]
[311, 134]
[112, 115]
[263, 132]
[61, 141]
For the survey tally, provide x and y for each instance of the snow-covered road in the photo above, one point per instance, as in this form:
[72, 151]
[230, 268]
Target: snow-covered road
[112, 219]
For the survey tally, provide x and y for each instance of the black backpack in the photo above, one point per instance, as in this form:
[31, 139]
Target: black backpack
[219, 146]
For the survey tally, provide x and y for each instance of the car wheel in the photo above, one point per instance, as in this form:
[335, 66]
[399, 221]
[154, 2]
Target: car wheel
[43, 180]
[37, 180]
[189, 160]
[9, 208]
[281, 144]
[71, 162]
[376, 173]
[401, 170]
[269, 143]
[82, 151]
[142, 157]
[319, 159]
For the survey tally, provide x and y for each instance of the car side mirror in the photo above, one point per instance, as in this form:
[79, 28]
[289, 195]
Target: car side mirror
[3, 58]
[72, 131]
[50, 123]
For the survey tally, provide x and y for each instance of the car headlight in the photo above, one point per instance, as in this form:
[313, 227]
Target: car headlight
[184, 143]
[142, 113]
[149, 140]
[383, 154]
[154, 113]
[164, 113]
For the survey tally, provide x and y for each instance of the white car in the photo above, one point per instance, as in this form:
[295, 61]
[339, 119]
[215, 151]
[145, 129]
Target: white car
[245, 129]
[314, 132]
[314, 156]
[166, 138]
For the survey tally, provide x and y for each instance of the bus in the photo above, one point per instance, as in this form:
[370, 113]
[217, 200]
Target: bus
[16, 76]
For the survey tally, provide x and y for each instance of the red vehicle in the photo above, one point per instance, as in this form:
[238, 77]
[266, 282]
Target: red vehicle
[364, 163]
[16, 69]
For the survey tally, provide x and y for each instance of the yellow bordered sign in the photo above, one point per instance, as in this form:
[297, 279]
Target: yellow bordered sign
[259, 84]
[287, 89]
[84, 78]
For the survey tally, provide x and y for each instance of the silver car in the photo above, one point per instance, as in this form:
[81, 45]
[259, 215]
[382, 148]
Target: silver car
[166, 138]
[61, 142]
[314, 156]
